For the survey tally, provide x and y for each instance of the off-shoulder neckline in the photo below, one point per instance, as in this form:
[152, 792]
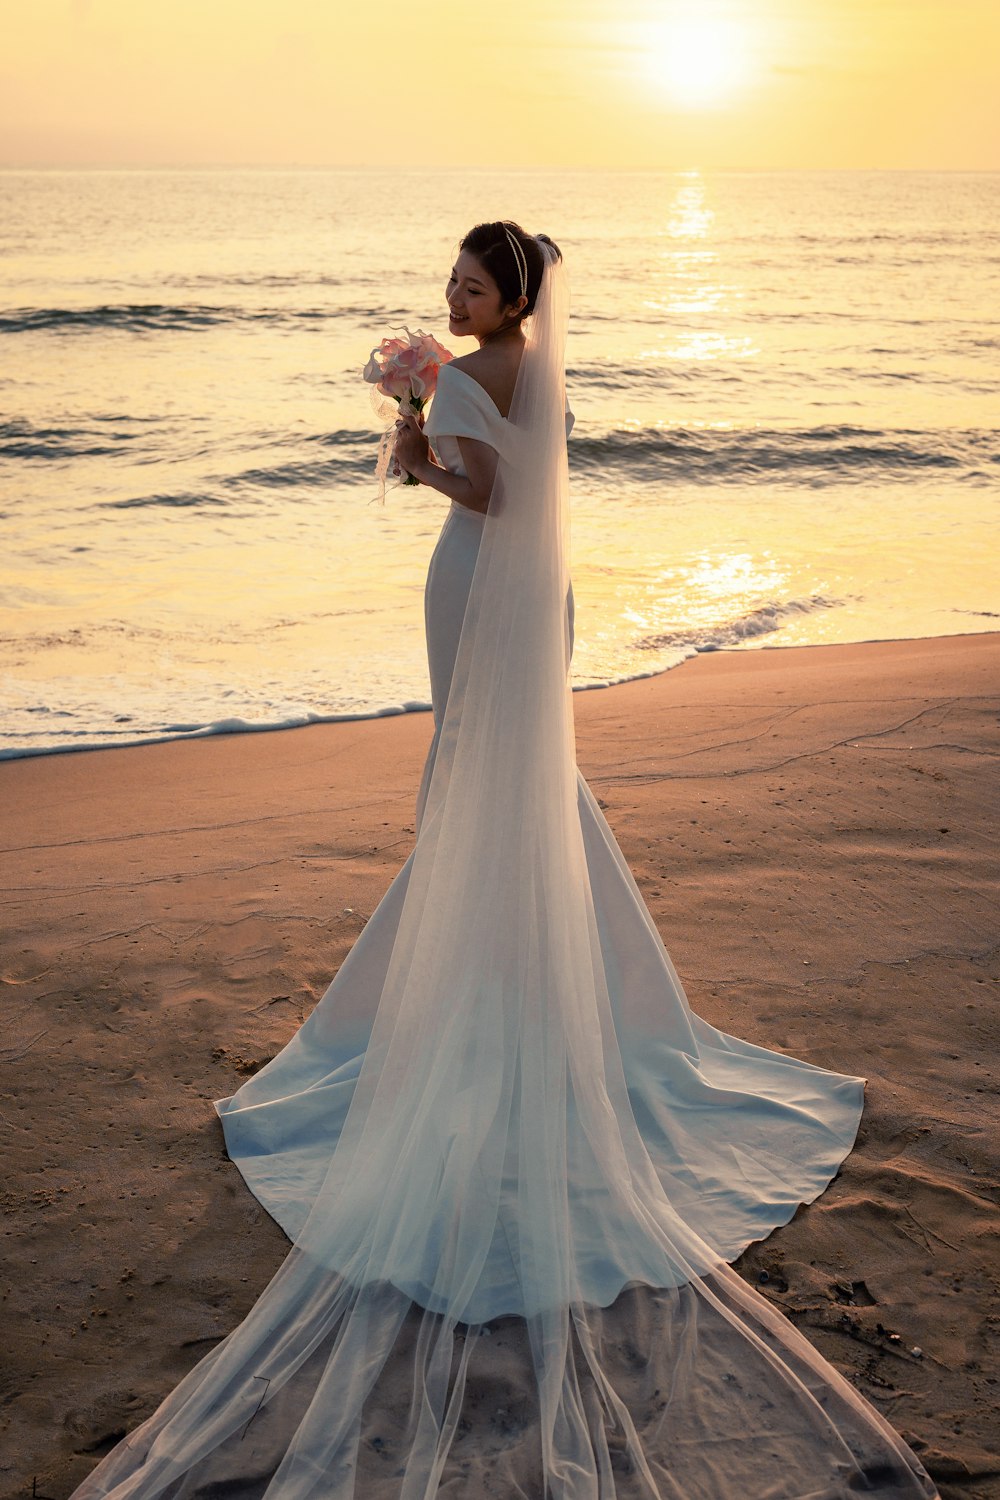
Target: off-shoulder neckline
[479, 387]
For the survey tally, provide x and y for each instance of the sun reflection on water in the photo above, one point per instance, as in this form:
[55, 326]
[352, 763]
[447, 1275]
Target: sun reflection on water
[702, 297]
[711, 590]
[690, 293]
[701, 346]
[690, 217]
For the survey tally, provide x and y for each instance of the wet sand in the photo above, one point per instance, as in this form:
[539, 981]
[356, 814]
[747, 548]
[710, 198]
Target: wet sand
[815, 833]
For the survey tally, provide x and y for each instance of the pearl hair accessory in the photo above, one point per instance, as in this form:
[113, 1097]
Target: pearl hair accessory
[521, 258]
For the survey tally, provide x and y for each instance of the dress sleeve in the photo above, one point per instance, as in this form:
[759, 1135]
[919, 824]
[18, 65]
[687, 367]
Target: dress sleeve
[457, 411]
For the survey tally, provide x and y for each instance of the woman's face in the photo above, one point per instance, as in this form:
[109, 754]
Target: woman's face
[474, 300]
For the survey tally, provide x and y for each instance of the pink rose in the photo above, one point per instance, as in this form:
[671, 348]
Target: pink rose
[407, 368]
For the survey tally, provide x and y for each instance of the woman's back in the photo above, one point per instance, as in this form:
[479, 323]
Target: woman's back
[495, 368]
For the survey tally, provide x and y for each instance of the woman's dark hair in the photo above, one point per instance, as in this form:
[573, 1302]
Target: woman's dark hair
[492, 248]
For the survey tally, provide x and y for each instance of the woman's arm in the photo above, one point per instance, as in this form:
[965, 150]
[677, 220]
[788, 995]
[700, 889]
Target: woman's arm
[412, 452]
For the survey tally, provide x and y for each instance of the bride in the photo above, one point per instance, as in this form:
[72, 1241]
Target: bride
[502, 1135]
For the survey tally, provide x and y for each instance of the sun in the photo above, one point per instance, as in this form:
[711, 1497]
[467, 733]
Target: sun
[698, 60]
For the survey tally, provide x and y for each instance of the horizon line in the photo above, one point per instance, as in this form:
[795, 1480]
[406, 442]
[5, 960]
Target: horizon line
[400, 170]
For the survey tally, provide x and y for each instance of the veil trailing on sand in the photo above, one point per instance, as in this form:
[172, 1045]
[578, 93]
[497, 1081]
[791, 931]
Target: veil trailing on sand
[443, 1258]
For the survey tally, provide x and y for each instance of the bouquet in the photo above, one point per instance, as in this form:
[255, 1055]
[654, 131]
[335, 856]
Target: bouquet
[404, 370]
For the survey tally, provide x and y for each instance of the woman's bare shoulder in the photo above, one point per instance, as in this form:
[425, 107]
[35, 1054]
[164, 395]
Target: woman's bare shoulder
[478, 363]
[495, 372]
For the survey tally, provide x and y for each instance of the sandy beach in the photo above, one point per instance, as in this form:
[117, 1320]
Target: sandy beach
[815, 833]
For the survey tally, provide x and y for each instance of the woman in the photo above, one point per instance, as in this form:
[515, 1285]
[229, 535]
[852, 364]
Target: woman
[503, 1107]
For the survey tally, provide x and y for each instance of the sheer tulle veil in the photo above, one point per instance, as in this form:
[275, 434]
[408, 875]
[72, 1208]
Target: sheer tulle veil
[490, 1119]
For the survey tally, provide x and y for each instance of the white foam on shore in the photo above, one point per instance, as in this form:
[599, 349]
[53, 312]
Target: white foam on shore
[238, 725]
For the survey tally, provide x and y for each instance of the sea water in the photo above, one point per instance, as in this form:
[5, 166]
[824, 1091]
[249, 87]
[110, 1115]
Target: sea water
[786, 397]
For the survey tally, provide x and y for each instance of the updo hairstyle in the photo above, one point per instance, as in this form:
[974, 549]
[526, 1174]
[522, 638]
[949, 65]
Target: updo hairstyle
[495, 253]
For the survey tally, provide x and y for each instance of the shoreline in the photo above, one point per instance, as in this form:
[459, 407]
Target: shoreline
[815, 834]
[415, 706]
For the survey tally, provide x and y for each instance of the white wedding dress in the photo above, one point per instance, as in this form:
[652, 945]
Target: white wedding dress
[739, 1136]
[502, 1117]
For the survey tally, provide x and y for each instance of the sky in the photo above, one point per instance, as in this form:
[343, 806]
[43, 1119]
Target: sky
[739, 85]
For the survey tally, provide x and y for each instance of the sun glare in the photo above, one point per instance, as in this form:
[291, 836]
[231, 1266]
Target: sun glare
[698, 60]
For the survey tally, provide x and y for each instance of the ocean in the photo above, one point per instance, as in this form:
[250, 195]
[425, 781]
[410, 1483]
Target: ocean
[785, 387]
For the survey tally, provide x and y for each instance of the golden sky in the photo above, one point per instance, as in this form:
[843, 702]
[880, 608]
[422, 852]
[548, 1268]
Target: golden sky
[671, 84]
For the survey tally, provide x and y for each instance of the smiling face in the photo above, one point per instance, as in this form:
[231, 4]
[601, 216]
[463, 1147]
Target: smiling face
[474, 299]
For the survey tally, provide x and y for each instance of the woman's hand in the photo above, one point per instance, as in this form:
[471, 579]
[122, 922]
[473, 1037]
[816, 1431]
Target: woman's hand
[411, 450]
